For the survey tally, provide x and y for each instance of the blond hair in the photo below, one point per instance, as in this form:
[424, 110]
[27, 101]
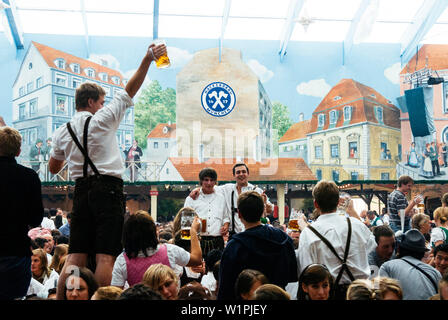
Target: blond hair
[362, 289]
[390, 285]
[10, 142]
[441, 213]
[108, 293]
[157, 274]
[418, 220]
[42, 255]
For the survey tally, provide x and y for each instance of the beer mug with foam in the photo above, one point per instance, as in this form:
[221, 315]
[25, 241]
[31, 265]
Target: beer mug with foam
[163, 61]
[186, 220]
[293, 223]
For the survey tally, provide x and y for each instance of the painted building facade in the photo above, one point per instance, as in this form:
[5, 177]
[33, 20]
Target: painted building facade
[354, 135]
[44, 93]
[222, 110]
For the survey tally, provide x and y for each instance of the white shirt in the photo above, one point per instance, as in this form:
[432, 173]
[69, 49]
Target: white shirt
[176, 256]
[211, 207]
[102, 140]
[208, 281]
[41, 289]
[47, 224]
[227, 191]
[334, 227]
[437, 234]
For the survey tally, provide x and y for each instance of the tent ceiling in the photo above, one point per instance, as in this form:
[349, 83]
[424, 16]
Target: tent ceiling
[383, 21]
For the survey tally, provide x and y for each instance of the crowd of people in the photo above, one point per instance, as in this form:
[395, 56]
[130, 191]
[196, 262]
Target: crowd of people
[234, 251]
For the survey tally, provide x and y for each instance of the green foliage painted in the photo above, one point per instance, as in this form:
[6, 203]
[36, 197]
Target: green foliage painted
[154, 106]
[281, 120]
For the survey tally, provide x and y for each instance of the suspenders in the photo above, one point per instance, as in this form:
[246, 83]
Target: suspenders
[332, 249]
[87, 160]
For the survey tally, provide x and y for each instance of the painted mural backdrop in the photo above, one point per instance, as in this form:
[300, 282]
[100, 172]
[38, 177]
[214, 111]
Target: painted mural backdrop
[366, 118]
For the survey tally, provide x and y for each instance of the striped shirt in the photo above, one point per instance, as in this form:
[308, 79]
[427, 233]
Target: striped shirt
[396, 201]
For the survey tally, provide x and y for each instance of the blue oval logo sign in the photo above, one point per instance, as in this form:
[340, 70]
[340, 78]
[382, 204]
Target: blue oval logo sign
[218, 99]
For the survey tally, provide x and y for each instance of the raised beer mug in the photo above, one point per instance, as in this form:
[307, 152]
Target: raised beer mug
[186, 220]
[163, 61]
[293, 223]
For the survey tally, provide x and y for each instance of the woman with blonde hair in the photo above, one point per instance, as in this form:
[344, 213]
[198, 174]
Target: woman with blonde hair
[390, 289]
[439, 235]
[41, 273]
[362, 289]
[163, 280]
[60, 251]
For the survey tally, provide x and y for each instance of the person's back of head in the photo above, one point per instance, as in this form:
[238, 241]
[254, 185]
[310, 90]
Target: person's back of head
[326, 196]
[250, 206]
[445, 199]
[194, 291]
[139, 292]
[86, 91]
[441, 213]
[270, 292]
[382, 231]
[139, 234]
[362, 289]
[390, 289]
[10, 142]
[107, 293]
[247, 281]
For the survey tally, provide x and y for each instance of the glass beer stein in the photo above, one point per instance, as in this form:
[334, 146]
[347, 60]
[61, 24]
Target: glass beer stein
[163, 61]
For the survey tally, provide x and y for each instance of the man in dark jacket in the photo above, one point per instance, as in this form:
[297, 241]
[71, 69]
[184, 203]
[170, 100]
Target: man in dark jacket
[260, 247]
[21, 201]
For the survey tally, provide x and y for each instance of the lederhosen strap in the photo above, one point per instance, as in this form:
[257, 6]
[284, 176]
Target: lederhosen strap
[233, 212]
[87, 160]
[332, 249]
[425, 273]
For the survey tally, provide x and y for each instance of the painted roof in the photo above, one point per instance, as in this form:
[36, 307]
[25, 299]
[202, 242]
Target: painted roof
[433, 56]
[158, 131]
[297, 131]
[276, 169]
[50, 55]
[362, 98]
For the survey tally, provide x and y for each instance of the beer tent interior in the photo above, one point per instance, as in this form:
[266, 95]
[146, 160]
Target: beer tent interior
[305, 55]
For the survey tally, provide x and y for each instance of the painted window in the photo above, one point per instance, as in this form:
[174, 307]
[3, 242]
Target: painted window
[60, 63]
[61, 105]
[379, 114]
[353, 149]
[334, 150]
[39, 82]
[335, 175]
[333, 116]
[319, 174]
[318, 152]
[60, 79]
[22, 111]
[29, 87]
[33, 107]
[76, 82]
[321, 120]
[347, 113]
[76, 68]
